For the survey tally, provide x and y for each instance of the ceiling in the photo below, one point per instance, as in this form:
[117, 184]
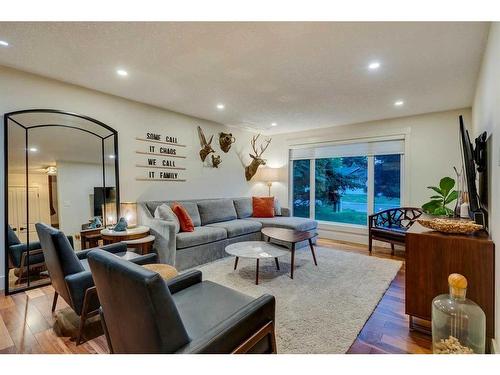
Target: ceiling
[300, 75]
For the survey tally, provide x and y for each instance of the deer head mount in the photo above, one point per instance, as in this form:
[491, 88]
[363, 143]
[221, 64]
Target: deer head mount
[257, 161]
[216, 161]
[206, 147]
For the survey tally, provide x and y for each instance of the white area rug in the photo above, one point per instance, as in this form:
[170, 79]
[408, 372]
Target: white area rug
[323, 308]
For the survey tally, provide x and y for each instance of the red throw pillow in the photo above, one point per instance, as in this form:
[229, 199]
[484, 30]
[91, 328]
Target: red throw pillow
[185, 220]
[263, 206]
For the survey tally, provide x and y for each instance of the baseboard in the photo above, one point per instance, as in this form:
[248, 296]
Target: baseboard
[352, 237]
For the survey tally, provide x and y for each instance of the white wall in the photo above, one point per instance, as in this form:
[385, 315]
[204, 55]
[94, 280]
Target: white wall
[432, 151]
[486, 117]
[75, 185]
[131, 119]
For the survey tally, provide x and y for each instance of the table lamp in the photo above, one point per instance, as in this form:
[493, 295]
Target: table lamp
[109, 214]
[269, 175]
[128, 210]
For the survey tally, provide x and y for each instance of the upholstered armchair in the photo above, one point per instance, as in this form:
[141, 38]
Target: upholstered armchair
[70, 273]
[184, 315]
[18, 253]
[391, 225]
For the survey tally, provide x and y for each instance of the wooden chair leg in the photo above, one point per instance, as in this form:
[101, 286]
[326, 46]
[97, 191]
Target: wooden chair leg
[370, 244]
[85, 310]
[274, 349]
[277, 264]
[105, 329]
[392, 248]
[54, 301]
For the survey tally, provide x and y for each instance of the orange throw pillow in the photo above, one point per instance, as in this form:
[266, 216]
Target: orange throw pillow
[185, 220]
[263, 206]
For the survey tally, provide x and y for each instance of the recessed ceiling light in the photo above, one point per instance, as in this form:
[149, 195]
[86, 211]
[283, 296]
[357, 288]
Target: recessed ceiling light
[399, 103]
[111, 156]
[374, 65]
[33, 149]
[221, 106]
[274, 124]
[122, 72]
[4, 43]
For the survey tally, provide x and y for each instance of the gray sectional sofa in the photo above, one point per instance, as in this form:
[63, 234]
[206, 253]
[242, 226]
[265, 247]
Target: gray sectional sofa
[218, 223]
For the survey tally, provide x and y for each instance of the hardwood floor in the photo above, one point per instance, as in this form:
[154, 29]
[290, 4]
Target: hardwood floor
[27, 324]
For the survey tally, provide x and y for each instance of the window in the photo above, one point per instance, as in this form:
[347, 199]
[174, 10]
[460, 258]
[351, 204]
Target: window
[301, 187]
[341, 190]
[387, 182]
[346, 182]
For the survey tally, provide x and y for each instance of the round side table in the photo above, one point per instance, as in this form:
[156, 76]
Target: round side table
[138, 238]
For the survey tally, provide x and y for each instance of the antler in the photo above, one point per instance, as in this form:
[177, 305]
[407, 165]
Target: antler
[262, 149]
[252, 142]
[203, 140]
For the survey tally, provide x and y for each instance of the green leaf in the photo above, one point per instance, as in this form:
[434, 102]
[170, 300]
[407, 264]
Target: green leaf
[446, 184]
[436, 197]
[431, 206]
[451, 197]
[436, 189]
[440, 211]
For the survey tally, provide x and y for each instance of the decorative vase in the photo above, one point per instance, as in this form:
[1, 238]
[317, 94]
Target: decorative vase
[458, 324]
[461, 190]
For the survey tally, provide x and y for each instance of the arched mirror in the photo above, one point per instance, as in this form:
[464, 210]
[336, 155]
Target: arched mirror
[61, 169]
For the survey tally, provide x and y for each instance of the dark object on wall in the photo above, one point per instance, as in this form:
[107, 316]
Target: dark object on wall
[432, 256]
[224, 320]
[475, 158]
[226, 140]
[257, 161]
[206, 147]
[391, 225]
[102, 196]
[216, 161]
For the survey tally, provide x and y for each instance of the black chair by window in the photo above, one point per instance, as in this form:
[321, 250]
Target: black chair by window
[391, 225]
[70, 273]
[18, 254]
[184, 315]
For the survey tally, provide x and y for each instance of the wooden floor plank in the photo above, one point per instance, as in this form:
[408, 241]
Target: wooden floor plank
[27, 324]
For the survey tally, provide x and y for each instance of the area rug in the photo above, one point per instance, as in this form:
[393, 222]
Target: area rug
[323, 308]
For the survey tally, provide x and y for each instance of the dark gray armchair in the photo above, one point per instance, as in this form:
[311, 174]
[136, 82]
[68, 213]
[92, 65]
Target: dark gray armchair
[70, 273]
[18, 253]
[141, 313]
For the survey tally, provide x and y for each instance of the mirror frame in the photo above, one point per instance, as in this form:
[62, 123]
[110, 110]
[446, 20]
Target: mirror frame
[9, 117]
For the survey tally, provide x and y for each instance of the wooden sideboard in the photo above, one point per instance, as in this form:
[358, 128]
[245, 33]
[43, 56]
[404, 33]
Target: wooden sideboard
[431, 256]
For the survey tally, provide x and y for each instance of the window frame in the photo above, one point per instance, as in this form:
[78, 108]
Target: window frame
[370, 188]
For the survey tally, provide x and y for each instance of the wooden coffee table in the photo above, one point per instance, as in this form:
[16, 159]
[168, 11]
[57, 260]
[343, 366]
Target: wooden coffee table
[292, 237]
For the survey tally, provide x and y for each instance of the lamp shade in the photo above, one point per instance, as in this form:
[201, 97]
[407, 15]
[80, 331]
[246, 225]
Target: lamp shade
[109, 213]
[269, 174]
[129, 211]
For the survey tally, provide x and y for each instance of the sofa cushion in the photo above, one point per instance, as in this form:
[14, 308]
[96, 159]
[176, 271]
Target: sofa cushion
[198, 310]
[243, 207]
[296, 223]
[216, 210]
[200, 236]
[190, 206]
[238, 227]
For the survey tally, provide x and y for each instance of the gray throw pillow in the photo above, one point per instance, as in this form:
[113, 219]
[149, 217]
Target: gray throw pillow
[164, 212]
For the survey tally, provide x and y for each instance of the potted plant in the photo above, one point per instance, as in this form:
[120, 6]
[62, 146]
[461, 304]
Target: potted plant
[445, 195]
